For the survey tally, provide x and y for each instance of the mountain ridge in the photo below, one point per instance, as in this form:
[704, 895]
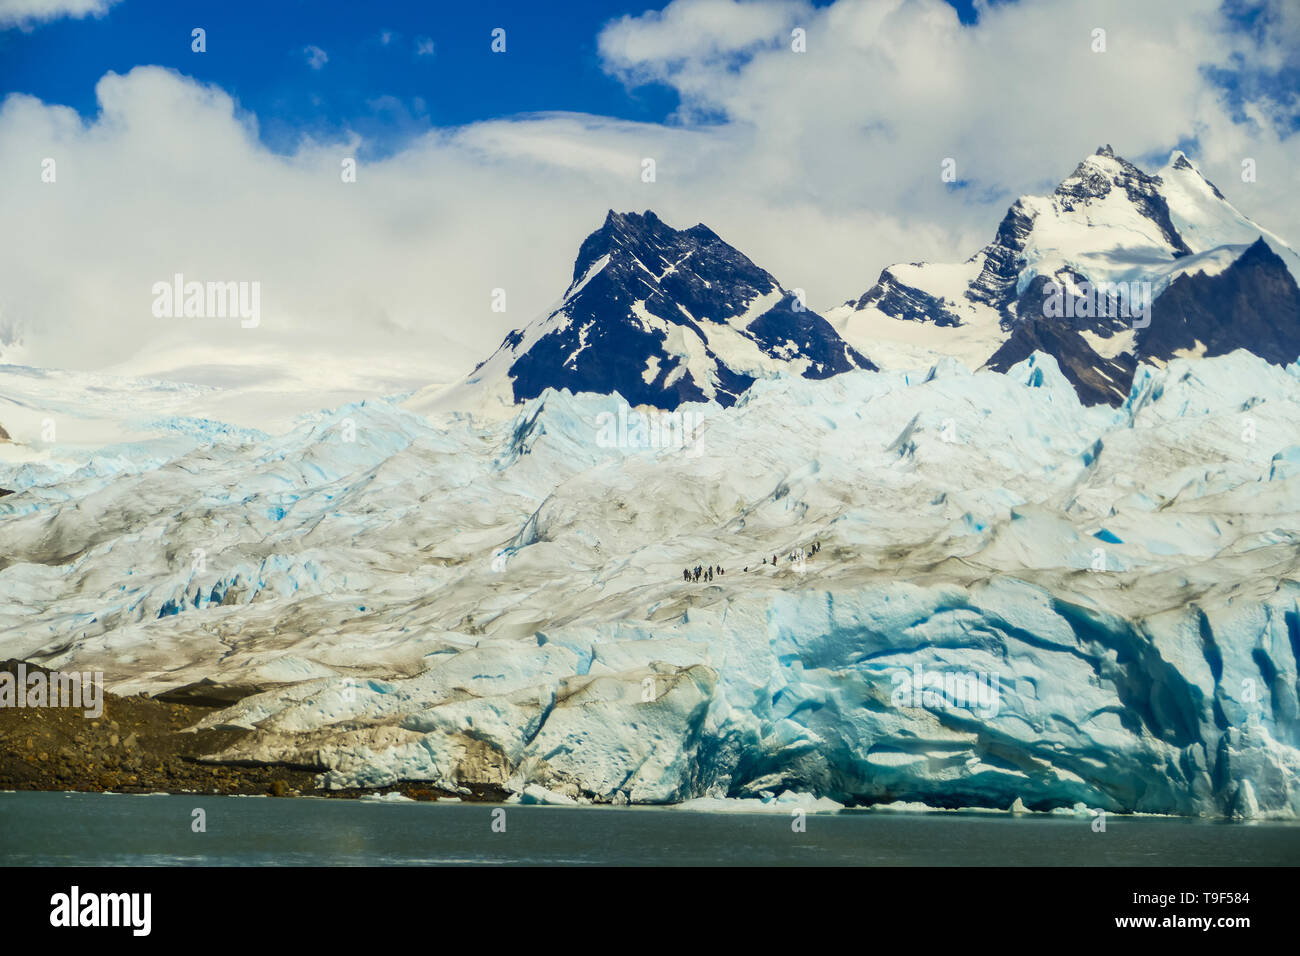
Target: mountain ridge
[665, 317]
[662, 317]
[1105, 225]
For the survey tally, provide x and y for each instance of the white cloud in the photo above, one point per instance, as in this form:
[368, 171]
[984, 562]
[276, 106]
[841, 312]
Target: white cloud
[860, 123]
[656, 45]
[822, 166]
[316, 57]
[25, 13]
[423, 46]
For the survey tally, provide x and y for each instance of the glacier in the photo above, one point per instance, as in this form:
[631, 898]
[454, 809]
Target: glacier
[499, 604]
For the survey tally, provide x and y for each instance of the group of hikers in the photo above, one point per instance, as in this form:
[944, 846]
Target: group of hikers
[706, 573]
[696, 573]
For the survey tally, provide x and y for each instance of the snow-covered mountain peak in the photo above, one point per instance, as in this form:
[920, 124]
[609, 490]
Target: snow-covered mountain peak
[1181, 167]
[1108, 225]
[1095, 175]
[1207, 220]
[1109, 192]
[646, 239]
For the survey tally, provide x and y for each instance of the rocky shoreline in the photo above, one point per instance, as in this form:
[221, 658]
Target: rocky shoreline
[142, 745]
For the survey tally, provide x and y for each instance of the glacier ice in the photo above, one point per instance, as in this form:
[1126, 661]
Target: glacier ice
[500, 604]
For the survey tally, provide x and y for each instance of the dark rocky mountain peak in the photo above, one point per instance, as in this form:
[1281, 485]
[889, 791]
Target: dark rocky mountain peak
[664, 316]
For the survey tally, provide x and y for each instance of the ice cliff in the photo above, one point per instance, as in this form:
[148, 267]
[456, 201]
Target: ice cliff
[1015, 596]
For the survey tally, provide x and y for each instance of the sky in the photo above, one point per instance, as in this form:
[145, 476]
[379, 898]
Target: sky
[479, 170]
[388, 70]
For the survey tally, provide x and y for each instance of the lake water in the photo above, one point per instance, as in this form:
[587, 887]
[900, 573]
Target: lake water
[115, 830]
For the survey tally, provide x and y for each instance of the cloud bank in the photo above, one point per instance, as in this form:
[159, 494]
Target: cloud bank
[823, 166]
[25, 13]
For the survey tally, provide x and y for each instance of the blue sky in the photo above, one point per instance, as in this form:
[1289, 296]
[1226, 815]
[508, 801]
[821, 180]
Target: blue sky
[386, 91]
[255, 51]
[396, 68]
[376, 81]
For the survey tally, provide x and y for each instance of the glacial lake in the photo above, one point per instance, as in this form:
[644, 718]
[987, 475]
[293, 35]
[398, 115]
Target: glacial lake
[91, 829]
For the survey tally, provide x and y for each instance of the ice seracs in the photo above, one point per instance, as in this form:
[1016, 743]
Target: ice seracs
[1129, 574]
